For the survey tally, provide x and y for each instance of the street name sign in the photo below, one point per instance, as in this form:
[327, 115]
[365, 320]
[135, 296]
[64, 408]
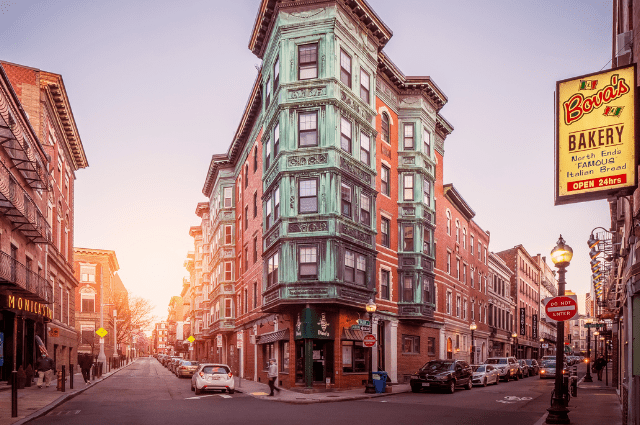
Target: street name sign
[561, 308]
[369, 340]
[363, 322]
[594, 325]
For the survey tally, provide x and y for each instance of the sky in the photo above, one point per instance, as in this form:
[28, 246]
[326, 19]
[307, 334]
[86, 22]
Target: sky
[157, 87]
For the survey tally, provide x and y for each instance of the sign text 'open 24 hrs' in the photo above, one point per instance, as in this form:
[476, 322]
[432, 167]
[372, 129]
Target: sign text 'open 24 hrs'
[596, 153]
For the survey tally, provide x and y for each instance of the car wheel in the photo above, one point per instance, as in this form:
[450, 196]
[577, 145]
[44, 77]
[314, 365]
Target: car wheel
[469, 384]
[198, 391]
[415, 389]
[484, 383]
[497, 380]
[452, 387]
[232, 391]
[516, 377]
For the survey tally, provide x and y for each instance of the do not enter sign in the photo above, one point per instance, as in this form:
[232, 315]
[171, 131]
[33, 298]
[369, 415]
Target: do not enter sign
[369, 340]
[561, 308]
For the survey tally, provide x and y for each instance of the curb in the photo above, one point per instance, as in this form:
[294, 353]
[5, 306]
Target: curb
[62, 399]
[315, 401]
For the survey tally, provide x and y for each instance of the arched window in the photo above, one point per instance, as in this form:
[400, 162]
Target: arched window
[385, 127]
[246, 175]
[464, 237]
[448, 222]
[457, 231]
[255, 159]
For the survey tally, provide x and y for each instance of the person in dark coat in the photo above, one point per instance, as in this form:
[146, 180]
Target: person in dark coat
[85, 361]
[599, 365]
[44, 367]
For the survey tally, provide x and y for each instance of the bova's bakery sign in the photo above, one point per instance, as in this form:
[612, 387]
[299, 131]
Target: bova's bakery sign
[596, 153]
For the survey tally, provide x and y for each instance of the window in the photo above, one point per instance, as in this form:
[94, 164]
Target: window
[361, 269]
[267, 89]
[246, 175]
[246, 217]
[408, 237]
[365, 147]
[272, 270]
[410, 344]
[308, 61]
[431, 346]
[427, 282]
[88, 302]
[448, 222]
[276, 204]
[457, 269]
[345, 134]
[385, 127]
[365, 210]
[408, 187]
[276, 74]
[255, 294]
[464, 274]
[458, 306]
[457, 231]
[408, 136]
[308, 196]
[255, 249]
[471, 244]
[255, 204]
[228, 238]
[349, 266]
[246, 300]
[384, 230]
[267, 154]
[426, 138]
[269, 208]
[346, 200]
[308, 268]
[464, 237]
[284, 356]
[364, 86]
[228, 271]
[384, 284]
[87, 273]
[464, 310]
[426, 191]
[255, 159]
[308, 129]
[228, 193]
[246, 258]
[485, 255]
[426, 241]
[448, 302]
[345, 68]
[479, 251]
[353, 357]
[449, 262]
[276, 140]
[384, 180]
[268, 353]
[407, 289]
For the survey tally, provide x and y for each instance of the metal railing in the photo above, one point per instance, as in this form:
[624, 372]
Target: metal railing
[14, 272]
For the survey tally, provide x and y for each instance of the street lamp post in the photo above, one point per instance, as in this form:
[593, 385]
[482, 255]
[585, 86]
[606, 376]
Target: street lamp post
[541, 347]
[369, 388]
[473, 327]
[515, 344]
[558, 413]
[595, 345]
[588, 377]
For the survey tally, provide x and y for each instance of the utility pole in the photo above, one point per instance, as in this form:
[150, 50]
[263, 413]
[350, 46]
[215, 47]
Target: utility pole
[102, 358]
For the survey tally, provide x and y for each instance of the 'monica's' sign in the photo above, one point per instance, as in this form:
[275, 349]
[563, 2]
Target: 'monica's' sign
[596, 152]
[23, 304]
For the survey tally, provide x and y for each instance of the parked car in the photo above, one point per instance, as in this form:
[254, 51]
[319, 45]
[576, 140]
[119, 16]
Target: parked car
[213, 376]
[172, 363]
[484, 374]
[186, 368]
[534, 367]
[447, 374]
[507, 366]
[548, 369]
[524, 369]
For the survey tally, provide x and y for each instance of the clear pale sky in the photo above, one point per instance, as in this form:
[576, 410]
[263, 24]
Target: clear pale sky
[157, 87]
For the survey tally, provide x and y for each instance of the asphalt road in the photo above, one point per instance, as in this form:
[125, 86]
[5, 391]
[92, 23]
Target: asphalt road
[147, 393]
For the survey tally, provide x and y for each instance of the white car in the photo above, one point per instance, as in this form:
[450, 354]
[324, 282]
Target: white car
[485, 374]
[213, 376]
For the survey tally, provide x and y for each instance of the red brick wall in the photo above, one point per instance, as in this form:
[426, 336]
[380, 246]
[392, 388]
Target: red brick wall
[410, 363]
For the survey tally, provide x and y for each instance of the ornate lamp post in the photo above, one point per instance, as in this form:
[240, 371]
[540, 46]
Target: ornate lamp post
[588, 377]
[541, 347]
[369, 388]
[473, 327]
[515, 344]
[595, 345]
[558, 413]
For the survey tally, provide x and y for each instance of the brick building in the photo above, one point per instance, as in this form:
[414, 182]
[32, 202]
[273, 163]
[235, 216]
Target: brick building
[525, 289]
[502, 307]
[323, 201]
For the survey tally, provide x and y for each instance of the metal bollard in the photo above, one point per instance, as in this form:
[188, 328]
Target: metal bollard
[71, 376]
[64, 377]
[14, 394]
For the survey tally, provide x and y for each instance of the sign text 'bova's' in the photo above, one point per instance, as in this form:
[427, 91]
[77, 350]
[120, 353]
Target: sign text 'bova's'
[595, 136]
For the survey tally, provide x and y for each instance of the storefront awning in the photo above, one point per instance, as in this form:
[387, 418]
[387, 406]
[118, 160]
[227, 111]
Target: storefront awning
[352, 334]
[270, 337]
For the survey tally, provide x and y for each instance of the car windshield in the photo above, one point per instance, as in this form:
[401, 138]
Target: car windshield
[496, 361]
[529, 362]
[437, 366]
[215, 370]
[480, 368]
[549, 364]
[188, 363]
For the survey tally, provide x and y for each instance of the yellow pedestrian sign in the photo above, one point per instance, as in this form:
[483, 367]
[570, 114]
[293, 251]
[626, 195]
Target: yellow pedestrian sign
[102, 332]
[191, 339]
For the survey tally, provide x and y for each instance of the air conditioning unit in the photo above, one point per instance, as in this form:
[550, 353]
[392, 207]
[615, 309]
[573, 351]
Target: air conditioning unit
[624, 42]
[252, 339]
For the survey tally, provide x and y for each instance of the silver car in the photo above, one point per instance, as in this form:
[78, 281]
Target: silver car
[507, 366]
[213, 376]
[485, 374]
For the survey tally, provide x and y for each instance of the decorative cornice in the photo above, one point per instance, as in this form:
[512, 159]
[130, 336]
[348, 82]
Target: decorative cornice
[458, 201]
[113, 261]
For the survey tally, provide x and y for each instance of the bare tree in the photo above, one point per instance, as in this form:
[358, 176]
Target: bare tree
[134, 316]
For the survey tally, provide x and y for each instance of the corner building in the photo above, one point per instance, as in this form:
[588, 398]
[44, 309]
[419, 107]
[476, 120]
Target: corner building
[322, 202]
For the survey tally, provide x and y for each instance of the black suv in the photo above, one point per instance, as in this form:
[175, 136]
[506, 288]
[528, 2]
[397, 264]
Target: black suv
[447, 374]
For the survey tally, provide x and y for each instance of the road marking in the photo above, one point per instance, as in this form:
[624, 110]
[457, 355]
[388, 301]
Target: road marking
[259, 393]
[200, 396]
[512, 399]
[225, 396]
[65, 412]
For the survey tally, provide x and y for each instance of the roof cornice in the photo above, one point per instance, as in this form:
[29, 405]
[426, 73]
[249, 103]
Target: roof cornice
[458, 201]
[113, 261]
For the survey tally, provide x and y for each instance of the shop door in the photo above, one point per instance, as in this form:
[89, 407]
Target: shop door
[300, 362]
[381, 347]
[318, 361]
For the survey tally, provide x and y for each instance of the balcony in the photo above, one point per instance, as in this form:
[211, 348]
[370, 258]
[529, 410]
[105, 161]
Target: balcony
[17, 278]
[18, 207]
[317, 292]
[415, 312]
[220, 325]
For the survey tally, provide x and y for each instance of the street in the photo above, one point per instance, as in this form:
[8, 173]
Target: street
[147, 393]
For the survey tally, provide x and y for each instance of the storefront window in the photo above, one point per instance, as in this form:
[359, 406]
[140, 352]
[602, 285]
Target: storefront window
[267, 354]
[284, 356]
[353, 356]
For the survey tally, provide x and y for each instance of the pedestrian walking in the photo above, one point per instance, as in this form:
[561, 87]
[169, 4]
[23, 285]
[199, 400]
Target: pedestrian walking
[273, 375]
[600, 365]
[44, 366]
[85, 361]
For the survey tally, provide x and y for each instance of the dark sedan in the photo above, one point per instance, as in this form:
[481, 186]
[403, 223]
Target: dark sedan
[534, 367]
[447, 374]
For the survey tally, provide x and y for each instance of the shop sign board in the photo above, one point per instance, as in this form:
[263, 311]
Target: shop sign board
[239, 339]
[523, 318]
[596, 149]
[219, 341]
[313, 325]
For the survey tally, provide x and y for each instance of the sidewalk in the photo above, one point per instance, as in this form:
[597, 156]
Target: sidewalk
[260, 390]
[596, 403]
[34, 402]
